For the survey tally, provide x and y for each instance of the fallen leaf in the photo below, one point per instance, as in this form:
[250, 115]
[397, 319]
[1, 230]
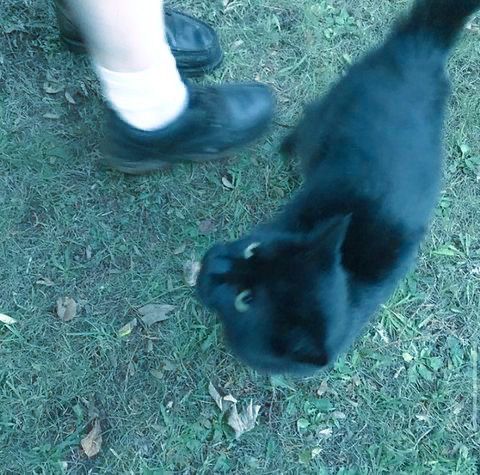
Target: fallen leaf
[223, 402]
[212, 390]
[230, 398]
[399, 370]
[6, 319]
[206, 226]
[45, 281]
[237, 44]
[383, 335]
[302, 424]
[245, 421]
[422, 417]
[92, 443]
[179, 249]
[170, 366]
[191, 269]
[325, 432]
[51, 88]
[153, 313]
[356, 380]
[457, 408]
[51, 115]
[316, 452]
[66, 309]
[227, 183]
[323, 388]
[472, 27]
[69, 98]
[63, 466]
[156, 373]
[127, 328]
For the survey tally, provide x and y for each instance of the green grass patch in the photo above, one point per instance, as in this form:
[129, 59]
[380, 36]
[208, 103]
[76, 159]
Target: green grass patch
[400, 401]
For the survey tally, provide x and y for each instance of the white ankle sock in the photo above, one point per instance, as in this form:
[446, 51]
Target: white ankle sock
[149, 99]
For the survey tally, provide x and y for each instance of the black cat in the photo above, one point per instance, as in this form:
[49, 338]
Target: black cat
[296, 292]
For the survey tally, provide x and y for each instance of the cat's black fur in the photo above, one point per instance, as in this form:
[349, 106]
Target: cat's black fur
[371, 152]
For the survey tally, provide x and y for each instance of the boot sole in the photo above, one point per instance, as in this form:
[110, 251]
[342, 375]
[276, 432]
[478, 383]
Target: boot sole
[153, 165]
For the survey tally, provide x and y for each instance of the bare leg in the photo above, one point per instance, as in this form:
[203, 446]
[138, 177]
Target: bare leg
[139, 77]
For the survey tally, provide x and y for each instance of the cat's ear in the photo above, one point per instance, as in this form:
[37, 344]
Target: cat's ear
[331, 233]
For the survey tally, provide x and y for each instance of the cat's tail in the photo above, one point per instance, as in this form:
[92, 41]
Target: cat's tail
[442, 20]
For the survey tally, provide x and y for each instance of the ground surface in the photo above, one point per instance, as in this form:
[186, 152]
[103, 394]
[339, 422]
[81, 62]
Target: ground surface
[401, 401]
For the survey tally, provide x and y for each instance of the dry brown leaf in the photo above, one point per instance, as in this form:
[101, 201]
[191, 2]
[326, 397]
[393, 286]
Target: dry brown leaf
[127, 328]
[206, 226]
[223, 402]
[51, 115]
[51, 88]
[92, 442]
[227, 183]
[422, 417]
[63, 466]
[66, 309]
[7, 319]
[45, 281]
[191, 269]
[179, 249]
[156, 373]
[237, 44]
[245, 421]
[69, 98]
[325, 432]
[154, 312]
[472, 26]
[230, 398]
[323, 388]
[212, 390]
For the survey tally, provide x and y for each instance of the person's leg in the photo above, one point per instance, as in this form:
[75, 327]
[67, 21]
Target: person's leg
[154, 117]
[136, 68]
[122, 35]
[194, 43]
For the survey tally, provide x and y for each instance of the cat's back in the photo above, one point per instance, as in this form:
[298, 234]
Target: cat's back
[393, 99]
[377, 134]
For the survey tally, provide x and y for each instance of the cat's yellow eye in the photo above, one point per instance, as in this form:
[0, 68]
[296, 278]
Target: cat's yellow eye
[243, 301]
[248, 252]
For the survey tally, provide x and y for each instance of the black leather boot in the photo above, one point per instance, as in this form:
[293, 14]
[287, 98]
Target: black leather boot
[216, 121]
[194, 44]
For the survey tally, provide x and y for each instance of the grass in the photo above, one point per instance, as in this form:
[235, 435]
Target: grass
[401, 401]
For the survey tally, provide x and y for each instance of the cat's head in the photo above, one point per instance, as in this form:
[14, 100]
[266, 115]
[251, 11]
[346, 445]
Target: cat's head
[282, 297]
